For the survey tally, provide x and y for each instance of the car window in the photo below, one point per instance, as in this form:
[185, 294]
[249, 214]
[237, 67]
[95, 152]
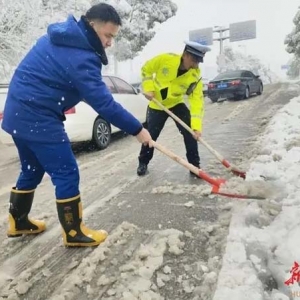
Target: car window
[110, 85]
[249, 74]
[123, 87]
[228, 75]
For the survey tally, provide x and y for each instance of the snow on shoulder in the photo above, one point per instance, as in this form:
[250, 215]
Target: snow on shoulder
[262, 255]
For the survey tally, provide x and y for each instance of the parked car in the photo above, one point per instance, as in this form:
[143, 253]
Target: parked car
[3, 93]
[137, 86]
[83, 123]
[4, 137]
[237, 84]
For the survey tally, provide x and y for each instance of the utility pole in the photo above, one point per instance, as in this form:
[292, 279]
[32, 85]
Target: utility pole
[222, 37]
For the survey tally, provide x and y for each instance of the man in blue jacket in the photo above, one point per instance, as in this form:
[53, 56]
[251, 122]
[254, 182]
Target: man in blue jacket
[62, 68]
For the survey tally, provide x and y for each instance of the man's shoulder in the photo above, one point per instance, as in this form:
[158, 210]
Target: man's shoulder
[171, 55]
[167, 55]
[74, 56]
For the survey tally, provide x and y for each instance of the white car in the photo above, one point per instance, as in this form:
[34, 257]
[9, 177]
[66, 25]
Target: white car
[3, 93]
[84, 124]
[4, 137]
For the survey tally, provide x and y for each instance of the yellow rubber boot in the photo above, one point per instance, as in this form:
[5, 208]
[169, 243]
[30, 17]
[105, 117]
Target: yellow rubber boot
[20, 206]
[75, 233]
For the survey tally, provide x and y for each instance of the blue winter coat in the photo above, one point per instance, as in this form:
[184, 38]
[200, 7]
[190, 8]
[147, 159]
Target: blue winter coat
[59, 71]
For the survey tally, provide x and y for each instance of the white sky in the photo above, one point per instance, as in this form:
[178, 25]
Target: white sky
[273, 20]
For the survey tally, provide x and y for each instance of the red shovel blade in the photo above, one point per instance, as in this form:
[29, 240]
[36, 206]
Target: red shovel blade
[215, 190]
[212, 181]
[216, 183]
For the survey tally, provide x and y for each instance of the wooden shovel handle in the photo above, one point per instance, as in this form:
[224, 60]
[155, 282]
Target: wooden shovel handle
[231, 167]
[200, 173]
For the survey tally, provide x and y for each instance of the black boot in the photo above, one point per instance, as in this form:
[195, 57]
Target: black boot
[75, 234]
[193, 174]
[142, 169]
[20, 206]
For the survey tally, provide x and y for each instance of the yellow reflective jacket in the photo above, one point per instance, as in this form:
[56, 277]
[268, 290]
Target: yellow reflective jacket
[161, 72]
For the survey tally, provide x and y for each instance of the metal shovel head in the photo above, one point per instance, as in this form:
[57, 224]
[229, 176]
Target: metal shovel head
[216, 183]
[215, 190]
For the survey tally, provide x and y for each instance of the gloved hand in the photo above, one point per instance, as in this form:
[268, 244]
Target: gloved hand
[197, 134]
[149, 95]
[144, 137]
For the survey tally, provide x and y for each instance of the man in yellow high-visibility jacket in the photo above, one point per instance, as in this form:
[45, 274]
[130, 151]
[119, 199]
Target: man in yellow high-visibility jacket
[167, 78]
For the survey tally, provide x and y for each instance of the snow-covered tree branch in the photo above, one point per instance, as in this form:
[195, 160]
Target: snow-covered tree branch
[234, 60]
[292, 41]
[139, 18]
[19, 26]
[23, 21]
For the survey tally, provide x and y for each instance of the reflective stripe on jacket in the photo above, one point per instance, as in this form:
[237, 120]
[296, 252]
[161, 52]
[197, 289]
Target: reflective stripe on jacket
[161, 72]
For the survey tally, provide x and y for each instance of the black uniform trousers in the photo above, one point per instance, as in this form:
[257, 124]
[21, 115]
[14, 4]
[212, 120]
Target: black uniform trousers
[156, 120]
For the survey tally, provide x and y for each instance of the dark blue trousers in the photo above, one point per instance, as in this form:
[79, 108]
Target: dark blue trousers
[156, 120]
[57, 160]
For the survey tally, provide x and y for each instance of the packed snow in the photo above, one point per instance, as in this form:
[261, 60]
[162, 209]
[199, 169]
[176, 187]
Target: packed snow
[263, 244]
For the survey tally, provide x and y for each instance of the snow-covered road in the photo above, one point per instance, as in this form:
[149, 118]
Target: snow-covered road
[167, 235]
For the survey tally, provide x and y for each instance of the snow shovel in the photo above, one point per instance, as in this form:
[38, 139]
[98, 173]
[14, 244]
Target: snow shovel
[224, 162]
[216, 183]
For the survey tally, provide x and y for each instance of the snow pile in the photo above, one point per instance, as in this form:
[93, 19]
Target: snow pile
[263, 246]
[133, 280]
[257, 188]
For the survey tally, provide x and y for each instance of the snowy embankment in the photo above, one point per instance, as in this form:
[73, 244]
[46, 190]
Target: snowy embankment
[264, 240]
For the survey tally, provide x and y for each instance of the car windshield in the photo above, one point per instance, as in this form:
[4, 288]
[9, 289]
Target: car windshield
[226, 75]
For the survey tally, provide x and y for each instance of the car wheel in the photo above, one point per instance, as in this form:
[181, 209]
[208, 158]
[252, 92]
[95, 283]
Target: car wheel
[260, 90]
[247, 93]
[101, 133]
